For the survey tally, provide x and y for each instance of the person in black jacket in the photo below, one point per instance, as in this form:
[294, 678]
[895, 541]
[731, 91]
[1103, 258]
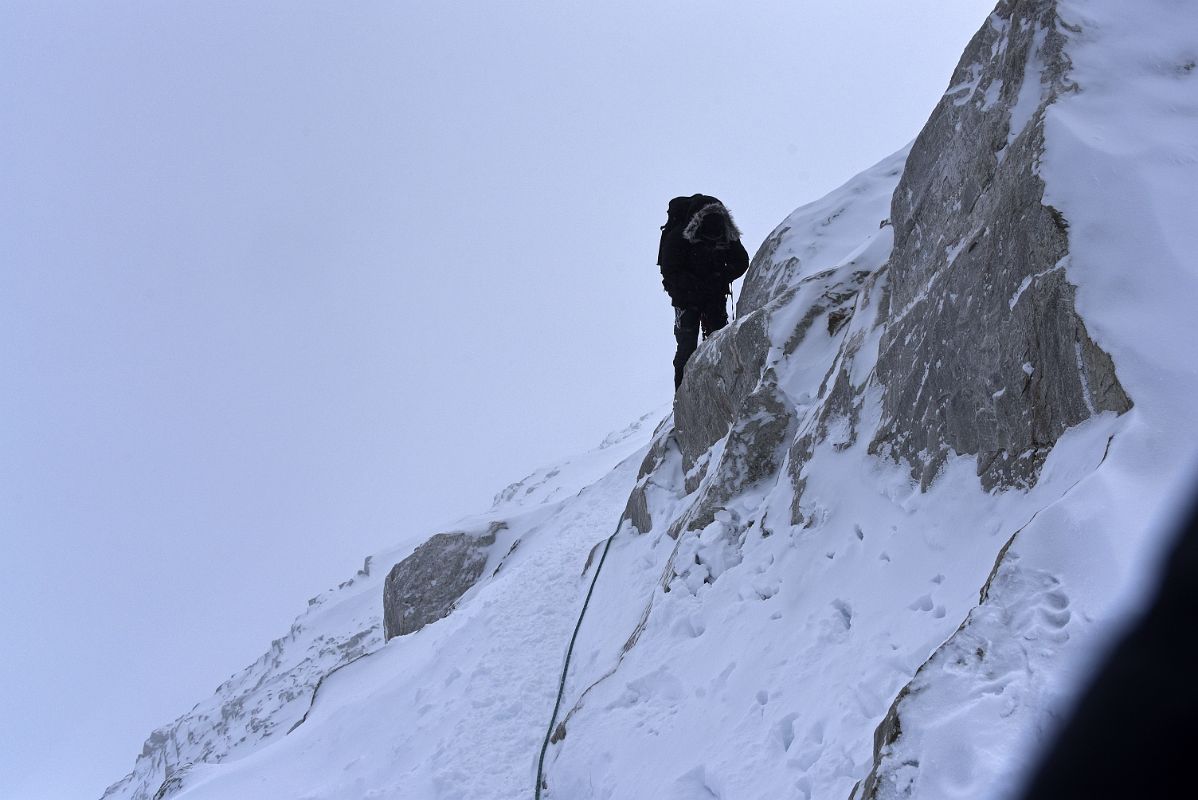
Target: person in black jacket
[700, 256]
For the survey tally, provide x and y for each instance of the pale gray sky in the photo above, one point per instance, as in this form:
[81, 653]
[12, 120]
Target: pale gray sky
[284, 283]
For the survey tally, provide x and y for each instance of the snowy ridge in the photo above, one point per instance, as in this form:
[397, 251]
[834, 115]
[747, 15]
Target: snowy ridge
[269, 699]
[811, 592]
[559, 481]
[837, 229]
[272, 694]
[756, 653]
[836, 632]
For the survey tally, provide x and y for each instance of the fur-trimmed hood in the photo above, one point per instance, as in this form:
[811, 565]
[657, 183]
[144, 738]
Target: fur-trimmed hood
[731, 233]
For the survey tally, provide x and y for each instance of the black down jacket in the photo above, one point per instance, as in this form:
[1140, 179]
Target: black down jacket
[700, 252]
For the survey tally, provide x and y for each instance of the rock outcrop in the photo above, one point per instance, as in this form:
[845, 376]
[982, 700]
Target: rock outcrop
[424, 586]
[918, 315]
[984, 352]
[853, 554]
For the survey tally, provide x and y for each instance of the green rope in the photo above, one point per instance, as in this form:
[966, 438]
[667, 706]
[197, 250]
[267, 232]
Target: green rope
[561, 688]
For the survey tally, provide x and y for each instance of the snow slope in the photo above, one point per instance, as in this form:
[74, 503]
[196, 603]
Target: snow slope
[956, 622]
[402, 711]
[766, 653]
[786, 609]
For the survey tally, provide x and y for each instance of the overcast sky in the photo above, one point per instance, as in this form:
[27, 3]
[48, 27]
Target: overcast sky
[285, 283]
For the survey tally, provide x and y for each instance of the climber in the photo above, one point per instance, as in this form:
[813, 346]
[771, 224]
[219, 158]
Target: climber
[700, 256]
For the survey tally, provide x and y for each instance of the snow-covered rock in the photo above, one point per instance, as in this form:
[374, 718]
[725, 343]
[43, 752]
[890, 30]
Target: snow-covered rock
[275, 699]
[898, 506]
[270, 696]
[984, 353]
[424, 586]
[828, 624]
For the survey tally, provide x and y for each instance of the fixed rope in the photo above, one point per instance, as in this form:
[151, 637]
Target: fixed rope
[561, 687]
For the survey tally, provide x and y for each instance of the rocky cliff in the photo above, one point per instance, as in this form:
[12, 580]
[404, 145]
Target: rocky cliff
[889, 496]
[897, 506]
[984, 352]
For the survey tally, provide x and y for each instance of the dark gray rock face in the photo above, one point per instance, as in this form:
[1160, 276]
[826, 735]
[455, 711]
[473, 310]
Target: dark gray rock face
[718, 380]
[637, 510]
[753, 453]
[984, 353]
[424, 586]
[981, 350]
[768, 275]
[837, 414]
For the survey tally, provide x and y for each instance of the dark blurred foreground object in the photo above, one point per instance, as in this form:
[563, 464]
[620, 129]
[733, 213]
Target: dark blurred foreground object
[1133, 732]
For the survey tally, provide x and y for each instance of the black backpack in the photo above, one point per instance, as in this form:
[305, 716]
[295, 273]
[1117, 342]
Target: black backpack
[673, 246]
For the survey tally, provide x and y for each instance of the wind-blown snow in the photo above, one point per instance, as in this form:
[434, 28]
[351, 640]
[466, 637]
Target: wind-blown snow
[849, 226]
[1031, 90]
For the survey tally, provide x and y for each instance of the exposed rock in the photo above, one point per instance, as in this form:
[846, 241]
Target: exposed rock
[657, 449]
[753, 452]
[853, 306]
[176, 779]
[424, 586]
[719, 376]
[885, 734]
[767, 276]
[637, 510]
[984, 352]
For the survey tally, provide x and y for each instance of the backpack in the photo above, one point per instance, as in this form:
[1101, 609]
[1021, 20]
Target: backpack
[677, 233]
[672, 247]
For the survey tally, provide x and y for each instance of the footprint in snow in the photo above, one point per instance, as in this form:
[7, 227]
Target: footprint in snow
[690, 626]
[695, 785]
[925, 603]
[815, 734]
[1054, 609]
[1043, 613]
[845, 611]
[921, 603]
[784, 730]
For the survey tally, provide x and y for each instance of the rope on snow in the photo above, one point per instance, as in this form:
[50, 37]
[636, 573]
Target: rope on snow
[561, 687]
